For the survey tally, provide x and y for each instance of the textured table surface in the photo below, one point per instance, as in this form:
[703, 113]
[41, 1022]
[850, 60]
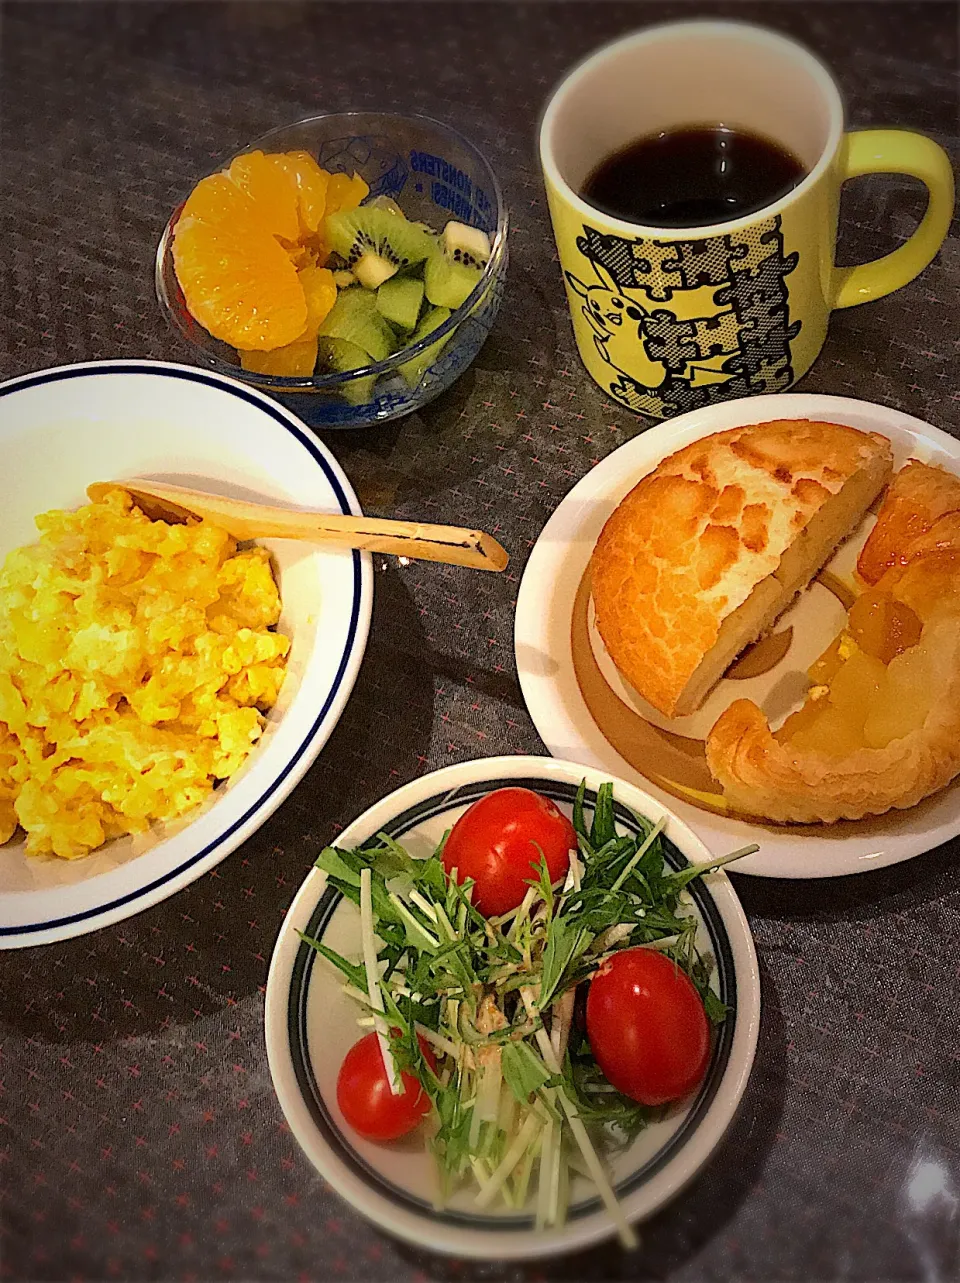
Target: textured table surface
[139, 1134]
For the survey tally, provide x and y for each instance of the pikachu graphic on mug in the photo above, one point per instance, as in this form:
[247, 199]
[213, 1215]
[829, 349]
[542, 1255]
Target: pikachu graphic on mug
[674, 320]
[669, 318]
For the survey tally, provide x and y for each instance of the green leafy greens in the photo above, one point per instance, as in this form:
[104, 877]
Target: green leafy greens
[515, 1084]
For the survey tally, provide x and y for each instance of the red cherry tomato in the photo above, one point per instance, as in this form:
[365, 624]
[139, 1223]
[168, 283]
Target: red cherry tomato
[647, 1027]
[496, 843]
[365, 1098]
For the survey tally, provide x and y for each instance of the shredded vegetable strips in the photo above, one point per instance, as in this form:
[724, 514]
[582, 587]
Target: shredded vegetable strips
[521, 1114]
[625, 1232]
[374, 995]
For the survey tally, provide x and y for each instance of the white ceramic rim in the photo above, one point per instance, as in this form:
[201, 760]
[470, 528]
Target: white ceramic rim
[785, 851]
[764, 39]
[420, 1228]
[69, 925]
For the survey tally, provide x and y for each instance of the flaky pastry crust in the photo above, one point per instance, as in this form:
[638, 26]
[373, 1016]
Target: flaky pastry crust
[779, 781]
[920, 512]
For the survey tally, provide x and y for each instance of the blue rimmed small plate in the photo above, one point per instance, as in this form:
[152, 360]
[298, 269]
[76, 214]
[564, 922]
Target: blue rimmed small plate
[310, 1024]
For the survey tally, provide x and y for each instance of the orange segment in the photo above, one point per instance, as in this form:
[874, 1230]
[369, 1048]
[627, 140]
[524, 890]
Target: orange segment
[299, 357]
[272, 189]
[218, 200]
[320, 291]
[295, 359]
[247, 251]
[345, 193]
[311, 183]
[239, 283]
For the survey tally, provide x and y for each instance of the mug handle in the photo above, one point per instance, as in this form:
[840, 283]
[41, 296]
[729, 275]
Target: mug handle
[896, 151]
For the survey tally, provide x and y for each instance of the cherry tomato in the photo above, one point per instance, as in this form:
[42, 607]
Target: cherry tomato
[647, 1027]
[496, 843]
[365, 1098]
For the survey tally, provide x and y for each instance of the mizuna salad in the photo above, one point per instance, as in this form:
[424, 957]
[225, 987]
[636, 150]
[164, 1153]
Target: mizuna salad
[533, 992]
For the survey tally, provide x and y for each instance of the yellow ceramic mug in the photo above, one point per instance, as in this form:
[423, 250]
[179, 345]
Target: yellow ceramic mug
[667, 320]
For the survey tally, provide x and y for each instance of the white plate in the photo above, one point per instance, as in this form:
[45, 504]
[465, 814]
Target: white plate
[553, 695]
[310, 1024]
[64, 428]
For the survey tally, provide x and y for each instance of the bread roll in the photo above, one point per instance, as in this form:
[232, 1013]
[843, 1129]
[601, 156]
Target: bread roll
[707, 550]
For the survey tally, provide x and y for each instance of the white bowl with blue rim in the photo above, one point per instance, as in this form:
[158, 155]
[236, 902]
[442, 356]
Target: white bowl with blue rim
[64, 428]
[311, 1023]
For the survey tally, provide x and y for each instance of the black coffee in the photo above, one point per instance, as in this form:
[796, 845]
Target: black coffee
[692, 177]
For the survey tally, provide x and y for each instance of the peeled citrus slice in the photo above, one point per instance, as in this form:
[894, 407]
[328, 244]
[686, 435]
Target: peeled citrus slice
[345, 193]
[320, 291]
[239, 283]
[272, 188]
[217, 200]
[299, 357]
[295, 359]
[311, 183]
[247, 250]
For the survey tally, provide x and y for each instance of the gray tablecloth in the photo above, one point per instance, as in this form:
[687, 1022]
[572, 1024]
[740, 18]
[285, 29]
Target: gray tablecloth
[139, 1134]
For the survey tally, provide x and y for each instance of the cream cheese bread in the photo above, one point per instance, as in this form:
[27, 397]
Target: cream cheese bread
[707, 550]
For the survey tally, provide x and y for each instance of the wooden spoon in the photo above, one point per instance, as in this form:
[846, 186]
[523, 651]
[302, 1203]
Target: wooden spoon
[245, 520]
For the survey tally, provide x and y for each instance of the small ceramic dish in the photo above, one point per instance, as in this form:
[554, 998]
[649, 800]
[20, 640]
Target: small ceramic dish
[583, 708]
[64, 428]
[434, 175]
[310, 1024]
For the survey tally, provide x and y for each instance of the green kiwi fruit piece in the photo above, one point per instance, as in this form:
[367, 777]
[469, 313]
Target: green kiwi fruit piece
[356, 318]
[453, 269]
[342, 356]
[375, 243]
[398, 301]
[414, 370]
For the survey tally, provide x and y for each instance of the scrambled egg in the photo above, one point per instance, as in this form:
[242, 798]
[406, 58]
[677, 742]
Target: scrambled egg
[136, 660]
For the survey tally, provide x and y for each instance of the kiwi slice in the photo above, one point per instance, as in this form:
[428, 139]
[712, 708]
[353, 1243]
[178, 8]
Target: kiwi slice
[374, 243]
[454, 267]
[355, 318]
[398, 301]
[414, 370]
[342, 356]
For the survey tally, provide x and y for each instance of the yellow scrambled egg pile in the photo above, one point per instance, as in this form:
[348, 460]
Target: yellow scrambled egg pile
[136, 659]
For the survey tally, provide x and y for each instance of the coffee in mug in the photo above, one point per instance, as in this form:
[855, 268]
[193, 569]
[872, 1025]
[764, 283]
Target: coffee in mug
[688, 177]
[691, 281]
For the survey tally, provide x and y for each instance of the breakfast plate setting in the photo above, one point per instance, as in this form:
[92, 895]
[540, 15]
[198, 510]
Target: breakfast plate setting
[481, 753]
[584, 708]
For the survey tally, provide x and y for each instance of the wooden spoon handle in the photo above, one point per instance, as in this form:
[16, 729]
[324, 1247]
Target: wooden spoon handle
[245, 520]
[415, 539]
